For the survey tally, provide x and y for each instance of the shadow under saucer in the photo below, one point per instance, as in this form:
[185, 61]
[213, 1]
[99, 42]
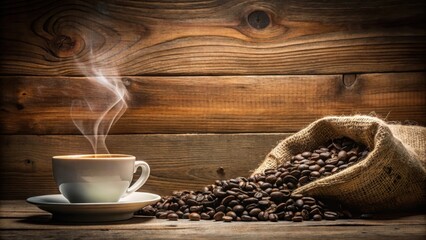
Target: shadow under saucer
[48, 219]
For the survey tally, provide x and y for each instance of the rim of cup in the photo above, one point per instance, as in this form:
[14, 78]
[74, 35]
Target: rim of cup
[95, 156]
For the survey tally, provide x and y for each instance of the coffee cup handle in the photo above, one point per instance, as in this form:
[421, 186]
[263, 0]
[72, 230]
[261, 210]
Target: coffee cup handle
[142, 178]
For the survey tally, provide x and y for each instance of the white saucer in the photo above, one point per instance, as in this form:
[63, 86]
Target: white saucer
[63, 210]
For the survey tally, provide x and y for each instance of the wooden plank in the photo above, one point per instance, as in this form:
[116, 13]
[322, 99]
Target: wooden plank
[231, 232]
[41, 105]
[212, 37]
[30, 222]
[20, 220]
[177, 161]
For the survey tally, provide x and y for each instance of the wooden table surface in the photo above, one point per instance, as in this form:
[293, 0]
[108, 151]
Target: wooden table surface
[20, 220]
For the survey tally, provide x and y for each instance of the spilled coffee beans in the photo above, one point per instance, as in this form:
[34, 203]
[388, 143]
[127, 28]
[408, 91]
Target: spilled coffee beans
[267, 196]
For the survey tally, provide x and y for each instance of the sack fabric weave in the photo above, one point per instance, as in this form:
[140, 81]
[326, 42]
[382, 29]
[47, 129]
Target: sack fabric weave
[392, 176]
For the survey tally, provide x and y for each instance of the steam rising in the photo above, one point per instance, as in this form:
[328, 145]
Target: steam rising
[103, 104]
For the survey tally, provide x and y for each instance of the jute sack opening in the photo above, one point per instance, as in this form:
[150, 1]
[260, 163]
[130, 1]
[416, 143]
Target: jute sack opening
[391, 177]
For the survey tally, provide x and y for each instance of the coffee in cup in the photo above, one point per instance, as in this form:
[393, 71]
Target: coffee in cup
[95, 178]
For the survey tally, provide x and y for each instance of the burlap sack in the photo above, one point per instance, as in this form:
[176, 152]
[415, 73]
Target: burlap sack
[391, 177]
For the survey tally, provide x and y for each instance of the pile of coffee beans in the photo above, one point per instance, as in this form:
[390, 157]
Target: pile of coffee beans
[267, 196]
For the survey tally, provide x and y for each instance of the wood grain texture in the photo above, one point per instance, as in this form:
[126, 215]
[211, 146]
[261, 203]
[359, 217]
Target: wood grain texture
[177, 161]
[212, 37]
[41, 105]
[232, 232]
[28, 222]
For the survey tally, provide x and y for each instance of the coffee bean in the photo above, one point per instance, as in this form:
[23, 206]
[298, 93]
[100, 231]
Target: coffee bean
[315, 167]
[291, 208]
[218, 216]
[290, 179]
[205, 216]
[233, 185]
[332, 161]
[200, 197]
[343, 166]
[179, 213]
[320, 163]
[196, 208]
[246, 218]
[323, 149]
[266, 196]
[271, 179]
[233, 203]
[254, 212]
[194, 217]
[265, 185]
[324, 155]
[317, 217]
[172, 217]
[280, 215]
[238, 209]
[315, 174]
[299, 203]
[273, 217]
[308, 200]
[250, 200]
[220, 208]
[230, 192]
[264, 203]
[227, 199]
[311, 162]
[302, 167]
[329, 167]
[281, 207]
[227, 219]
[191, 202]
[306, 206]
[314, 211]
[277, 196]
[181, 202]
[329, 215]
[315, 156]
[342, 155]
[303, 180]
[231, 214]
[291, 185]
[162, 215]
[242, 196]
[219, 193]
[351, 154]
[174, 207]
[306, 154]
[306, 172]
[251, 206]
[295, 173]
[263, 216]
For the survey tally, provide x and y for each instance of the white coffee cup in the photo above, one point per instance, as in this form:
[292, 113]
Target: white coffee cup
[93, 178]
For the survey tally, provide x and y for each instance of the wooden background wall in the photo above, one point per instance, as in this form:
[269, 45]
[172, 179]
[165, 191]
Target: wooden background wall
[213, 83]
